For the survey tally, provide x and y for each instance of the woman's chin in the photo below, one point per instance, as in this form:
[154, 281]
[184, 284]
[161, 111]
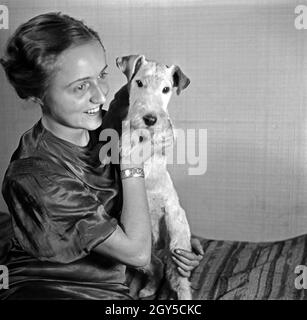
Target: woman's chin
[95, 123]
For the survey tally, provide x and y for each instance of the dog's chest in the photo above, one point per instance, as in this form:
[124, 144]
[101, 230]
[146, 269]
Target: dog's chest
[155, 182]
[156, 204]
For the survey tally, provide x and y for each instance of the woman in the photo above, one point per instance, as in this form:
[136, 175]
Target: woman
[76, 224]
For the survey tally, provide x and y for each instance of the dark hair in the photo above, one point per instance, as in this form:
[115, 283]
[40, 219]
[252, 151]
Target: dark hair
[32, 50]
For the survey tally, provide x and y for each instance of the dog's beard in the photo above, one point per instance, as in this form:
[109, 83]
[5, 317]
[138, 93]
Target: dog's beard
[161, 128]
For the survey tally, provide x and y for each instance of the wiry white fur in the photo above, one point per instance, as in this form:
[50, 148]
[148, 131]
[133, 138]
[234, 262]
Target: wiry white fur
[162, 197]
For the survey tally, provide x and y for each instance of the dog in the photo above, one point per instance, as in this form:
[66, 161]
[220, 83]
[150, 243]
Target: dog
[150, 86]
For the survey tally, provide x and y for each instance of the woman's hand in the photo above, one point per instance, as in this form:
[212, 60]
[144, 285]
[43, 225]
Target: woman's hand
[187, 261]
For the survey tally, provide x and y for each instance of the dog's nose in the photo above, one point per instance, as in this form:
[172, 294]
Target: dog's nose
[150, 119]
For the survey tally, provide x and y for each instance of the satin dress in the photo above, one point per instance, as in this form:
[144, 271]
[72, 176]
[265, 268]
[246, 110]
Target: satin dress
[62, 203]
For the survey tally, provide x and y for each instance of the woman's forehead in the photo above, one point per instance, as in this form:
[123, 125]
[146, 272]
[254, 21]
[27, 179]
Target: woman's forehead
[81, 61]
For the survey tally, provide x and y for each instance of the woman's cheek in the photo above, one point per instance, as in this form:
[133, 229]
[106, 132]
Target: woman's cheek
[81, 101]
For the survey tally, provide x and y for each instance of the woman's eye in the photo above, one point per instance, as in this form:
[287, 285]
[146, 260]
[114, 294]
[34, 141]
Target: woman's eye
[82, 87]
[139, 83]
[166, 89]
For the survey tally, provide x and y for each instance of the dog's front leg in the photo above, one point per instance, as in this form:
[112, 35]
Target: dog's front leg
[180, 237]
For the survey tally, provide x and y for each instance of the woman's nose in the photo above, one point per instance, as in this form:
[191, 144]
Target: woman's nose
[99, 95]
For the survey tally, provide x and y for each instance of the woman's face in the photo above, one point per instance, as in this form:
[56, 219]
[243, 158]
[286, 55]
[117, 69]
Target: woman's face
[78, 89]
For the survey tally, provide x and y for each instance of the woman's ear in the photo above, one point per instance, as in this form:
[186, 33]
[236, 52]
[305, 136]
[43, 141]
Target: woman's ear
[180, 80]
[130, 65]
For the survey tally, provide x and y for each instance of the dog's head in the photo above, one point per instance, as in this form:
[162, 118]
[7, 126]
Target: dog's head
[150, 88]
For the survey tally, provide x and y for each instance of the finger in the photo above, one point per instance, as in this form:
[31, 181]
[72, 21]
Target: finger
[182, 265]
[193, 262]
[196, 245]
[183, 273]
[188, 254]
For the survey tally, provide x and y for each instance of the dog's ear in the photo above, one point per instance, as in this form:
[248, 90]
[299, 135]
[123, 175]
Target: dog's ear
[130, 65]
[180, 80]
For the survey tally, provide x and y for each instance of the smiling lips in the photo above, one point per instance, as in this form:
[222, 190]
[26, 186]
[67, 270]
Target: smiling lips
[94, 110]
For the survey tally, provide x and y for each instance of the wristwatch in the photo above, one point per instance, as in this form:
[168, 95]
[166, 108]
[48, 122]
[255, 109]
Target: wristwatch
[132, 173]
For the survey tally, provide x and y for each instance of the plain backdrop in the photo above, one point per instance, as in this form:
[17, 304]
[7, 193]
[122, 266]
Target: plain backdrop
[247, 66]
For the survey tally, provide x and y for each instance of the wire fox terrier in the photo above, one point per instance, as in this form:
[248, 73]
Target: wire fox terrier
[150, 87]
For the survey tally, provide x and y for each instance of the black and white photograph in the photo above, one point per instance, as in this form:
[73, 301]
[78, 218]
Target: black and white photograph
[153, 150]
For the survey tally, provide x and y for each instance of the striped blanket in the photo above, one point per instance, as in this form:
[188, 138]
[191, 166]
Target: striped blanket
[233, 270]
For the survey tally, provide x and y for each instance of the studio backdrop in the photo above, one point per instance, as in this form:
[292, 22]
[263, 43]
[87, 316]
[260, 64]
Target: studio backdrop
[247, 66]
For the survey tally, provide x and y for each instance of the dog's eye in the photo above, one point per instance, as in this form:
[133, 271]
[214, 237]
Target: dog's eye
[139, 83]
[166, 89]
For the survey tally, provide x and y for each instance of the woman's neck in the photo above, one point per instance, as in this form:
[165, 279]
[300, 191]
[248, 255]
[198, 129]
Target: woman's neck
[79, 137]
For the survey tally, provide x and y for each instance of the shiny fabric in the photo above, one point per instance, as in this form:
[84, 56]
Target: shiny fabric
[63, 203]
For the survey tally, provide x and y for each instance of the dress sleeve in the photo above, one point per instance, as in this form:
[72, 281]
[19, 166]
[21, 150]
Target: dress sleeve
[56, 218]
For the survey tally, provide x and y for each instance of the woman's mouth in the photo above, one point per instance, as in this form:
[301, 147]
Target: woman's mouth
[94, 111]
